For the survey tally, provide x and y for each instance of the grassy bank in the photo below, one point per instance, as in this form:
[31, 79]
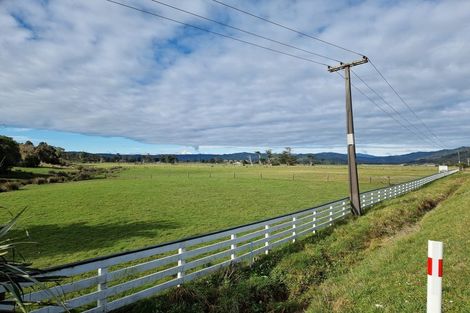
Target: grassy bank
[392, 276]
[146, 205]
[376, 263]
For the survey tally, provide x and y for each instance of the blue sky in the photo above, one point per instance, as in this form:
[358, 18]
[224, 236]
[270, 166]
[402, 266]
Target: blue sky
[90, 143]
[100, 144]
[94, 76]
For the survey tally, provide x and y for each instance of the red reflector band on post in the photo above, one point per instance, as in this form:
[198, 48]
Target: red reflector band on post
[434, 284]
[430, 266]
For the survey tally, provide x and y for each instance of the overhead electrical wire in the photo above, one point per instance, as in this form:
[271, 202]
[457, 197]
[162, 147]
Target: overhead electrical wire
[419, 134]
[390, 115]
[245, 31]
[286, 27]
[437, 144]
[275, 41]
[217, 33]
[339, 47]
[404, 102]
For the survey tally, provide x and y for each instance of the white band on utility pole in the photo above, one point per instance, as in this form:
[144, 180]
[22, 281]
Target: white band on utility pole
[434, 298]
[350, 139]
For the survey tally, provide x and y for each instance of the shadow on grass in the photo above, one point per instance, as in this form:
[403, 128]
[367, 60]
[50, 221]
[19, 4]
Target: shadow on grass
[19, 174]
[57, 241]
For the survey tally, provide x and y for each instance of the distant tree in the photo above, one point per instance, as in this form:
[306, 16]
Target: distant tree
[169, 158]
[29, 157]
[9, 153]
[275, 161]
[250, 161]
[30, 160]
[49, 154]
[82, 156]
[269, 155]
[287, 158]
[60, 151]
[148, 158]
[259, 157]
[117, 158]
[311, 159]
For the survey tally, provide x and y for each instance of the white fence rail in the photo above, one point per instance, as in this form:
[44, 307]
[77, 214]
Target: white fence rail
[107, 283]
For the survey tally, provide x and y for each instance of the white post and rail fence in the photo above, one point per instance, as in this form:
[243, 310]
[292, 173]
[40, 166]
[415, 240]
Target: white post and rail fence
[110, 282]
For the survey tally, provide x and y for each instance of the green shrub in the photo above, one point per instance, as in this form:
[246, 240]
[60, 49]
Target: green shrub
[53, 179]
[40, 180]
[82, 176]
[62, 174]
[9, 153]
[10, 186]
[30, 160]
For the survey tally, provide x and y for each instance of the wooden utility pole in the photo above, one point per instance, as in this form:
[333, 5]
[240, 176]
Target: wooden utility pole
[352, 164]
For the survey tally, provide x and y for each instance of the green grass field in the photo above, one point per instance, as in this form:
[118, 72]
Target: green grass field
[374, 263]
[150, 204]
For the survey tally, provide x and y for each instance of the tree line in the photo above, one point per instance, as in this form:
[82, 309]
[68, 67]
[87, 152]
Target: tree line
[26, 154]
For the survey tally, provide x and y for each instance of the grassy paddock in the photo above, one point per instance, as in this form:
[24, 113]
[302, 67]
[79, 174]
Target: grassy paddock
[149, 204]
[375, 263]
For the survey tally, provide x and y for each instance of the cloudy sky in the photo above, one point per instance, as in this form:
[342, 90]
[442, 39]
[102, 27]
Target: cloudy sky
[96, 76]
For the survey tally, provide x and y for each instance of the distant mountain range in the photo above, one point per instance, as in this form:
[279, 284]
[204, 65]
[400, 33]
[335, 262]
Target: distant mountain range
[449, 156]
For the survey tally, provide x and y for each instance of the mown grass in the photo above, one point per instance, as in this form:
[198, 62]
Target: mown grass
[392, 276]
[375, 263]
[146, 205]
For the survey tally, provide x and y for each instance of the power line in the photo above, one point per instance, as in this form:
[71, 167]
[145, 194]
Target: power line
[422, 134]
[286, 27]
[272, 49]
[404, 102]
[216, 33]
[417, 132]
[397, 112]
[386, 112]
[245, 31]
[337, 46]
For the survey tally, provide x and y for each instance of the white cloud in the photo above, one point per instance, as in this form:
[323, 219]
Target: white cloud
[97, 68]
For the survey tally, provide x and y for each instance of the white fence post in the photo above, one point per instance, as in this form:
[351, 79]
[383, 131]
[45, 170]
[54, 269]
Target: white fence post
[314, 220]
[181, 262]
[331, 213]
[233, 246]
[102, 301]
[293, 228]
[434, 298]
[266, 236]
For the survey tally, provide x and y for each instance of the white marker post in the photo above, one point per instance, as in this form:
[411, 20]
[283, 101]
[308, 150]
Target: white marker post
[434, 304]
